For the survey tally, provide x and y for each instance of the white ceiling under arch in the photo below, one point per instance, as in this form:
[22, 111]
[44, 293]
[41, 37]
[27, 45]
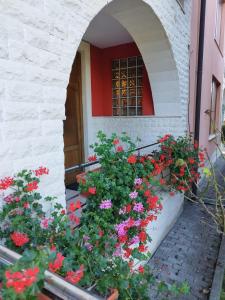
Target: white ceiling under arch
[105, 31]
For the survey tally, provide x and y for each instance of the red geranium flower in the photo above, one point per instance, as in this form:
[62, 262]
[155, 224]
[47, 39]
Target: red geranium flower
[132, 159]
[142, 248]
[31, 186]
[75, 277]
[92, 158]
[41, 171]
[92, 190]
[57, 264]
[19, 281]
[74, 206]
[141, 269]
[142, 236]
[6, 183]
[19, 239]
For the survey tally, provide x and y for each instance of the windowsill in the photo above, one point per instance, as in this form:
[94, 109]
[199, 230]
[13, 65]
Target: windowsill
[137, 117]
[218, 46]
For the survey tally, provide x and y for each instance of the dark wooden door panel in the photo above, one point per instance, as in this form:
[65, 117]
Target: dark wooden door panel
[73, 125]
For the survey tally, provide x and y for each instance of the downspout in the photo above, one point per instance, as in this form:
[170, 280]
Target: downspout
[199, 77]
[200, 71]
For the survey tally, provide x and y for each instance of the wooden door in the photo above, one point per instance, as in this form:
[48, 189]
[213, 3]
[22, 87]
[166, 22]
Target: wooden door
[73, 125]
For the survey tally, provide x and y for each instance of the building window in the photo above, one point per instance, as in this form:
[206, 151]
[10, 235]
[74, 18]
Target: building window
[218, 20]
[213, 108]
[127, 86]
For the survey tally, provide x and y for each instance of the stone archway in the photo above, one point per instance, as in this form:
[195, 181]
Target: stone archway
[40, 40]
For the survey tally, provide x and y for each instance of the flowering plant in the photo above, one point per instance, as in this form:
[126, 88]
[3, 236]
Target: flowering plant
[183, 158]
[102, 252]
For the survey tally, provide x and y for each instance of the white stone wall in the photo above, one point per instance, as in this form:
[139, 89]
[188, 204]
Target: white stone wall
[38, 42]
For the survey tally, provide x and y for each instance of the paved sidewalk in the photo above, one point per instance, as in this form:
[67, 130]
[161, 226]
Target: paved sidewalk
[188, 253]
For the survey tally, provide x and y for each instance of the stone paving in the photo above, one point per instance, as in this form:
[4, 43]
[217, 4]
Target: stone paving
[189, 252]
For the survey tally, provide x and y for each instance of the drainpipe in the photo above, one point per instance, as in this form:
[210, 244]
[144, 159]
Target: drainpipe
[199, 76]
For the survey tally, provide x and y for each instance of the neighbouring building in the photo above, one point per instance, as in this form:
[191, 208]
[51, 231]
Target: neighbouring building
[212, 91]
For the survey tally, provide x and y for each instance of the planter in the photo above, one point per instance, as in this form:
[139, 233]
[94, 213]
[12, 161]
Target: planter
[55, 284]
[81, 178]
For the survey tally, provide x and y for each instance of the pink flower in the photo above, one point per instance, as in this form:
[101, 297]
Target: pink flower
[45, 222]
[138, 181]
[138, 207]
[119, 149]
[106, 204]
[135, 240]
[9, 199]
[133, 195]
[26, 205]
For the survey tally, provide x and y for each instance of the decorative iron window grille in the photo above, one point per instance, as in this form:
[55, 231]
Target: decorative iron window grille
[127, 86]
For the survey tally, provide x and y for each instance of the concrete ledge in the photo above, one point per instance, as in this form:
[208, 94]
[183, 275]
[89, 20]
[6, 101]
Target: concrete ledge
[219, 273]
[172, 209]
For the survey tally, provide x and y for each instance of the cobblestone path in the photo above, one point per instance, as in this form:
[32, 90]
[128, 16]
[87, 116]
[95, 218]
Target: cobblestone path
[188, 253]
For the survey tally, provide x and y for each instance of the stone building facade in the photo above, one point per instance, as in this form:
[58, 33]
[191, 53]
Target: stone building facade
[38, 43]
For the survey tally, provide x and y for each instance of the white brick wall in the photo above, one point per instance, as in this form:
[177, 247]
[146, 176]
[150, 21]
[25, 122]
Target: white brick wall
[38, 42]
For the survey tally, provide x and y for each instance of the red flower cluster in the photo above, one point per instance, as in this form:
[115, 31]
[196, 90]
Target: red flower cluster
[75, 277]
[41, 171]
[92, 158]
[57, 264]
[132, 159]
[19, 239]
[92, 190]
[19, 281]
[31, 186]
[6, 182]
[165, 138]
[74, 206]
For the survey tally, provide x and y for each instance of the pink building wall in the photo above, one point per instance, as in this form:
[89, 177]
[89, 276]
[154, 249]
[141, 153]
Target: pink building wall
[213, 66]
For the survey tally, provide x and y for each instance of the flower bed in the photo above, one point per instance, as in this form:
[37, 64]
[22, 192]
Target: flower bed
[101, 254]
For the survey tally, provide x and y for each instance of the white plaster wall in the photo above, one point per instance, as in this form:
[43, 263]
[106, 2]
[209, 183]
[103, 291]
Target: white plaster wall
[38, 42]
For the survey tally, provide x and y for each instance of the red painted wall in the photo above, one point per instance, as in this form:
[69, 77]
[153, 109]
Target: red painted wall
[101, 79]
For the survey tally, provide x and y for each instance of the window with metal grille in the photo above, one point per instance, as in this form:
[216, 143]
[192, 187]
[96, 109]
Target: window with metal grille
[127, 86]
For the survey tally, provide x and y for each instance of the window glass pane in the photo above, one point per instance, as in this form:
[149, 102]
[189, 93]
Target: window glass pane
[123, 93]
[139, 81]
[123, 84]
[139, 101]
[139, 111]
[132, 61]
[124, 111]
[139, 71]
[132, 111]
[132, 101]
[116, 84]
[115, 74]
[132, 92]
[214, 95]
[140, 61]
[132, 82]
[132, 72]
[139, 91]
[123, 63]
[116, 93]
[123, 74]
[115, 64]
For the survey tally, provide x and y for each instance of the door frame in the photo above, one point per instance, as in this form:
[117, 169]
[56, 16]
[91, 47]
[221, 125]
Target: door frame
[84, 50]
